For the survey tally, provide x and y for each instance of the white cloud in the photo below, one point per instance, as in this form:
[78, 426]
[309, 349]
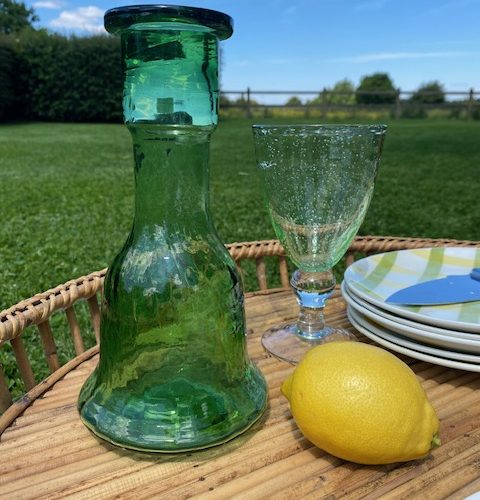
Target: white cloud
[48, 4]
[82, 19]
[392, 56]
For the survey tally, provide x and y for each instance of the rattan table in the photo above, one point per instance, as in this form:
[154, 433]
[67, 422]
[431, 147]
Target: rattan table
[46, 452]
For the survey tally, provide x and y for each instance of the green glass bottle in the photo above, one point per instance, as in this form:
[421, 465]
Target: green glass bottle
[173, 374]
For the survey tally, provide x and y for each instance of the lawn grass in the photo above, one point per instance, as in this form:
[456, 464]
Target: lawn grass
[66, 194]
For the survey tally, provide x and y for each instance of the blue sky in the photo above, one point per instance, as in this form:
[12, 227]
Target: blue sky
[311, 44]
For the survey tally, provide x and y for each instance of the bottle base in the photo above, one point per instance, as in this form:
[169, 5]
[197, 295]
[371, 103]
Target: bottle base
[166, 450]
[176, 417]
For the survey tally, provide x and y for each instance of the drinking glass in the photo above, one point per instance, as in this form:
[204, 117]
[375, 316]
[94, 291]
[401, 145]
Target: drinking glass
[318, 181]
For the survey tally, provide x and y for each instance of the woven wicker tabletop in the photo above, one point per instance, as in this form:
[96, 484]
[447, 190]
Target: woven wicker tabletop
[47, 452]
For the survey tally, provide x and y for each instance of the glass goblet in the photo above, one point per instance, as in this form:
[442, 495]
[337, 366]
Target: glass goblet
[318, 181]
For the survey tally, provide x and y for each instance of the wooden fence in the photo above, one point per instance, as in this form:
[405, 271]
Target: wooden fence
[398, 103]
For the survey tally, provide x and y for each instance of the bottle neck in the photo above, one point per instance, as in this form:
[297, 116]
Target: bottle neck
[171, 76]
[171, 177]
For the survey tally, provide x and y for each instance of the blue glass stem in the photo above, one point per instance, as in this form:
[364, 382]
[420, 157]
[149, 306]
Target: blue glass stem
[312, 290]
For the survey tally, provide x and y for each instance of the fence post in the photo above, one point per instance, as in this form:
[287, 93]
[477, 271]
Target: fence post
[248, 112]
[307, 110]
[324, 103]
[470, 104]
[398, 104]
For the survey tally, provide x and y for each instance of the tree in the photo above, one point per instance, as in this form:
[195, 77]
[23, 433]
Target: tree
[224, 100]
[293, 101]
[376, 82]
[242, 101]
[429, 93]
[343, 92]
[15, 16]
[317, 101]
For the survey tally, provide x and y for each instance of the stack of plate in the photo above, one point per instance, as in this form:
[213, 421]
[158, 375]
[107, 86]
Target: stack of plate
[447, 335]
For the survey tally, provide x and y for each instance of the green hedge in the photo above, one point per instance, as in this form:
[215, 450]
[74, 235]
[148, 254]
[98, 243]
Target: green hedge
[67, 79]
[7, 84]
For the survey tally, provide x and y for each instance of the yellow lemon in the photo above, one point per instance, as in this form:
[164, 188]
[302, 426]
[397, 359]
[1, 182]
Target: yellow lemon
[361, 403]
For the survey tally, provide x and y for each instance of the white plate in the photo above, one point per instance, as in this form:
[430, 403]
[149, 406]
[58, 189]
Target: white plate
[409, 344]
[375, 278]
[404, 321]
[460, 341]
[472, 367]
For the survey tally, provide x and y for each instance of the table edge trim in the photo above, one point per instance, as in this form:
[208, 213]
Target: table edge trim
[17, 408]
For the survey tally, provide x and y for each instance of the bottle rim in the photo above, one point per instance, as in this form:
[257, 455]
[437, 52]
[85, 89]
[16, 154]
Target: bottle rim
[318, 129]
[121, 19]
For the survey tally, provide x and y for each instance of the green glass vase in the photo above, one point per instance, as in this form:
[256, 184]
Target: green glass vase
[174, 373]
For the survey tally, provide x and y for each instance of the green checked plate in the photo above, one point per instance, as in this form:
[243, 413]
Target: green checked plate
[375, 278]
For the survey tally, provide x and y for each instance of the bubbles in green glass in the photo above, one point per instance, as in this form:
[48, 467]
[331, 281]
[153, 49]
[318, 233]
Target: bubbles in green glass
[318, 182]
[174, 373]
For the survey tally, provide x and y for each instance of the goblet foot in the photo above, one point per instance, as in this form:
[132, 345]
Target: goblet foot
[285, 343]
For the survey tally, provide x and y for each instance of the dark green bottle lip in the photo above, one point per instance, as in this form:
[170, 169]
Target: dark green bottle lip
[121, 18]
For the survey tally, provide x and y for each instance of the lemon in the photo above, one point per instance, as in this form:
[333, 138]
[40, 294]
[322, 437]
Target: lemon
[361, 403]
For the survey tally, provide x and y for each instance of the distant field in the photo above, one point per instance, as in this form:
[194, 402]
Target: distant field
[66, 194]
